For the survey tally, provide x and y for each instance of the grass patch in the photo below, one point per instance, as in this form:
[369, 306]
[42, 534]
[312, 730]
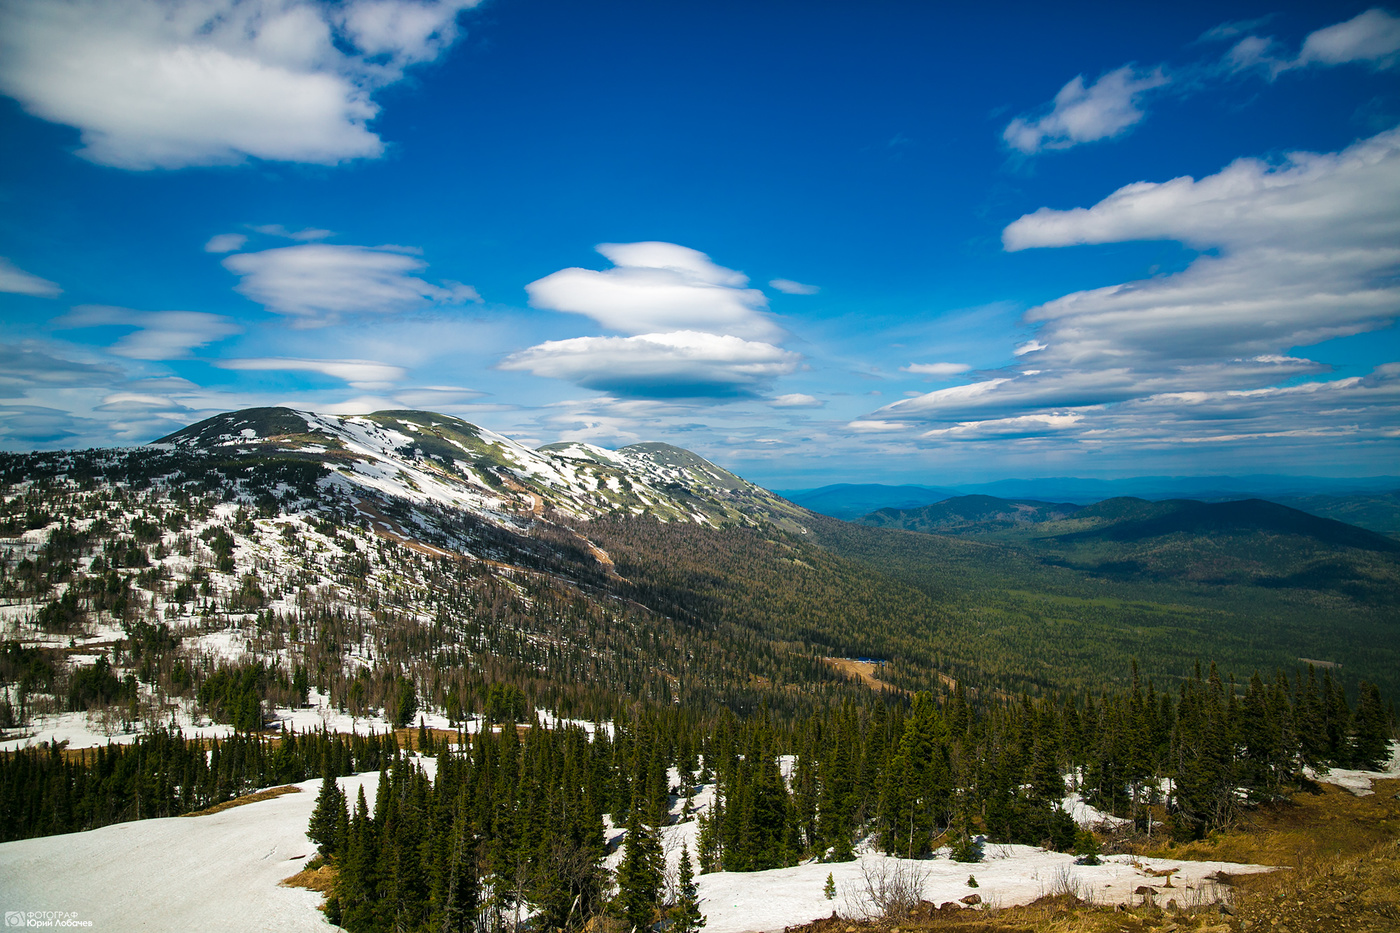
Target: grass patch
[247, 798]
[318, 876]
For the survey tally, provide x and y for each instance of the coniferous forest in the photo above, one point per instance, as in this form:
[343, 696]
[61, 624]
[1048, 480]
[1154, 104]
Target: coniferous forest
[602, 672]
[517, 819]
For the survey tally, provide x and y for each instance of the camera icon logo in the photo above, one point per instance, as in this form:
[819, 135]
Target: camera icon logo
[14, 918]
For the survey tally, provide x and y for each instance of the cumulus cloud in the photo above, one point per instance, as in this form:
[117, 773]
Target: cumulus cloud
[364, 375]
[173, 83]
[316, 282]
[936, 370]
[158, 335]
[656, 287]
[1082, 114]
[789, 287]
[674, 365]
[16, 281]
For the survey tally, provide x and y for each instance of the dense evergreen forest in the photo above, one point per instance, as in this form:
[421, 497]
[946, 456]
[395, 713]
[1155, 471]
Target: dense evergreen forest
[517, 819]
[145, 588]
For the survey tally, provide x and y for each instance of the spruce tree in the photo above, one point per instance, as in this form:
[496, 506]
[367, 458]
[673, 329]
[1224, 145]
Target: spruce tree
[328, 816]
[639, 876]
[686, 916]
[1370, 730]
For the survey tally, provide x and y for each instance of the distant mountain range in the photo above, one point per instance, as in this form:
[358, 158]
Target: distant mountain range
[1371, 502]
[1124, 520]
[650, 570]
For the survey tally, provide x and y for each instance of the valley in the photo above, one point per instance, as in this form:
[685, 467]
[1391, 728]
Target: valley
[227, 601]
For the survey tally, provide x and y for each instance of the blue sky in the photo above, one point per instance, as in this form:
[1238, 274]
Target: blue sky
[885, 242]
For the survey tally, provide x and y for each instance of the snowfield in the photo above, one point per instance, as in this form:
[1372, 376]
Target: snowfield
[1359, 782]
[221, 872]
[207, 873]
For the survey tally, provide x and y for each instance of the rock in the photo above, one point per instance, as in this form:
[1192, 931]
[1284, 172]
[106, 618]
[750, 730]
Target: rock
[1146, 890]
[972, 899]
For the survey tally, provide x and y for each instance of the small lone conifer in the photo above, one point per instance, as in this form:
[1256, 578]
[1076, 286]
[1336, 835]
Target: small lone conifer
[686, 916]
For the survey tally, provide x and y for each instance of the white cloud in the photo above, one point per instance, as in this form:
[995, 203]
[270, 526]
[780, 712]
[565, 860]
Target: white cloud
[1227, 31]
[797, 400]
[658, 287]
[26, 366]
[309, 233]
[789, 287]
[1308, 250]
[1037, 425]
[364, 375]
[318, 281]
[937, 370]
[16, 281]
[675, 365]
[435, 398]
[173, 83]
[1300, 252]
[158, 335]
[869, 426]
[1081, 114]
[225, 242]
[1372, 37]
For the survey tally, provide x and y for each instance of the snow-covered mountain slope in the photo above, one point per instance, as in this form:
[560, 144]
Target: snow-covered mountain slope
[432, 459]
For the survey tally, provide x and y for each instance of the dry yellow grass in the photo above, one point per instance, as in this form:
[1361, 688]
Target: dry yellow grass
[1342, 875]
[320, 879]
[247, 798]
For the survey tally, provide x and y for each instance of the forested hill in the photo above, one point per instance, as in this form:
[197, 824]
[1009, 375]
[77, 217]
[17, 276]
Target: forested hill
[259, 554]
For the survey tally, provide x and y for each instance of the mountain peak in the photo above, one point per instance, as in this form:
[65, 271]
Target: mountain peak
[432, 459]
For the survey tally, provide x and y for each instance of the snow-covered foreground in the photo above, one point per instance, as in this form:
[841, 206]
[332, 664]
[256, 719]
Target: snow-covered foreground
[208, 873]
[770, 900]
[1359, 782]
[221, 872]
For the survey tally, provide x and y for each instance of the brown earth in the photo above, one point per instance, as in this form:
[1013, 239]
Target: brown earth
[864, 671]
